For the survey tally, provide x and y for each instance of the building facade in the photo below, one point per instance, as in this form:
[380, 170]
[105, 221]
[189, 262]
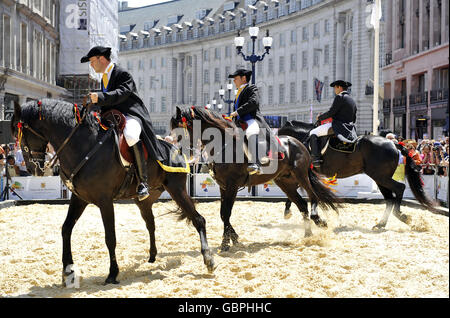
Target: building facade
[181, 52]
[416, 70]
[29, 45]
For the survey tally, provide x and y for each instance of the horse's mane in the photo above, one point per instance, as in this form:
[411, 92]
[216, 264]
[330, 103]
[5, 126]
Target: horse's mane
[213, 118]
[57, 112]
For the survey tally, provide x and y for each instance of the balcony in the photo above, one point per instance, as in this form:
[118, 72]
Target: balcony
[399, 104]
[418, 99]
[439, 95]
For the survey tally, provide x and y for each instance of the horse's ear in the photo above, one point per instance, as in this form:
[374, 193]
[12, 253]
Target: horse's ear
[178, 112]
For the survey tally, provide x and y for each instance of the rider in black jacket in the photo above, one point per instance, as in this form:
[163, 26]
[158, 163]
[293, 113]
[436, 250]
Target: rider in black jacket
[343, 116]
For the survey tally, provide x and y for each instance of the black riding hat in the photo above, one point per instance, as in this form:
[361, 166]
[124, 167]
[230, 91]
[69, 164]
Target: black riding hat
[341, 83]
[97, 51]
[240, 72]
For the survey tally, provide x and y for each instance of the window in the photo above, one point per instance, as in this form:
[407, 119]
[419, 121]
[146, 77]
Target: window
[327, 26]
[227, 51]
[325, 87]
[305, 34]
[281, 92]
[152, 82]
[152, 105]
[292, 93]
[304, 59]
[129, 65]
[206, 77]
[216, 75]
[281, 64]
[7, 40]
[304, 91]
[141, 65]
[316, 29]
[163, 104]
[260, 69]
[228, 72]
[189, 80]
[293, 62]
[217, 53]
[163, 82]
[270, 95]
[163, 62]
[293, 36]
[326, 54]
[24, 47]
[270, 66]
[316, 58]
[282, 42]
[206, 55]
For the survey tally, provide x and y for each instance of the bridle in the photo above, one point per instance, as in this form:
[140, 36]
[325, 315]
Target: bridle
[41, 155]
[51, 163]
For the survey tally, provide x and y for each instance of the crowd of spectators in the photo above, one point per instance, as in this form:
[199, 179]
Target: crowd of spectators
[431, 155]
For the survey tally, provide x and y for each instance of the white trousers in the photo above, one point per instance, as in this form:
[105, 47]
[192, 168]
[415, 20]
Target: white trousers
[252, 129]
[132, 131]
[320, 131]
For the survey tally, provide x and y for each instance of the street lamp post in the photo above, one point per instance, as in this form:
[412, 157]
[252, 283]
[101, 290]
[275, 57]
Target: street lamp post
[228, 100]
[253, 58]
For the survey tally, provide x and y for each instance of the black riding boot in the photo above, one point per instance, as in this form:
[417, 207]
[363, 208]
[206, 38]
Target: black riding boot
[142, 190]
[254, 166]
[315, 151]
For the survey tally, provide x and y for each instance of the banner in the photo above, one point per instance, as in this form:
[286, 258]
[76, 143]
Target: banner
[206, 186]
[34, 188]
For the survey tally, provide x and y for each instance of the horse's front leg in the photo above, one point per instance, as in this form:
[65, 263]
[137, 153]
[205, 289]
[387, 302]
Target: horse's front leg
[70, 276]
[107, 212]
[228, 197]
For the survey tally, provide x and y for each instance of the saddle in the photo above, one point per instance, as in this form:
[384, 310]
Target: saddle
[336, 144]
[114, 118]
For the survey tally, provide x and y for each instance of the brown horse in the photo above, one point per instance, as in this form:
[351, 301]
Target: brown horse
[292, 171]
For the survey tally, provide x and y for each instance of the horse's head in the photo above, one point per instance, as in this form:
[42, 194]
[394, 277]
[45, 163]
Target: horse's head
[182, 124]
[31, 141]
[296, 129]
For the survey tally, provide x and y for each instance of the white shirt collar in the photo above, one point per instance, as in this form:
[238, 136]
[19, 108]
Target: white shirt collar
[243, 85]
[109, 69]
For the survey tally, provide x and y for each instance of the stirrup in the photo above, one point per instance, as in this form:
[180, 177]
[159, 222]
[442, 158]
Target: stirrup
[142, 191]
[254, 169]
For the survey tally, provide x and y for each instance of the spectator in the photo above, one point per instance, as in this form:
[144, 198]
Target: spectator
[427, 160]
[413, 153]
[400, 138]
[391, 137]
[13, 169]
[438, 156]
[20, 162]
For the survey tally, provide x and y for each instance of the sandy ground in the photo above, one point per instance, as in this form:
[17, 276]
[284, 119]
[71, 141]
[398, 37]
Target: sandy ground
[274, 259]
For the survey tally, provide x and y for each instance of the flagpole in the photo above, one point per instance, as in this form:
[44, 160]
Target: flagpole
[376, 70]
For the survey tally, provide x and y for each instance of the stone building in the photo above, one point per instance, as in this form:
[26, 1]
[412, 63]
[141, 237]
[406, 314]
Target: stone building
[181, 52]
[416, 71]
[29, 42]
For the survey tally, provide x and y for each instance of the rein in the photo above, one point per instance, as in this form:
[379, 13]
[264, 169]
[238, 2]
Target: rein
[52, 162]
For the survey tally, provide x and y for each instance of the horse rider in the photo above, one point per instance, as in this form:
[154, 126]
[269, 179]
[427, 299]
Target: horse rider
[119, 92]
[343, 116]
[246, 109]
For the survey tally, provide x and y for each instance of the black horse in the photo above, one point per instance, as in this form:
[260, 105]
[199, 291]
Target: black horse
[99, 180]
[292, 172]
[373, 155]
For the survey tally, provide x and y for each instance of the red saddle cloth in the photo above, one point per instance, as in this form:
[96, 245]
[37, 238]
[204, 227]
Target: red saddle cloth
[118, 120]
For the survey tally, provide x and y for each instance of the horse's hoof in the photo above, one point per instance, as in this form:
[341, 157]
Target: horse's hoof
[111, 280]
[210, 265]
[234, 238]
[378, 227]
[318, 221]
[287, 214]
[224, 247]
[308, 233]
[71, 277]
[152, 259]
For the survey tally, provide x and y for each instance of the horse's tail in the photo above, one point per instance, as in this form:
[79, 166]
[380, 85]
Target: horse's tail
[322, 194]
[412, 172]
